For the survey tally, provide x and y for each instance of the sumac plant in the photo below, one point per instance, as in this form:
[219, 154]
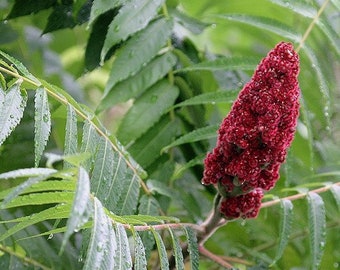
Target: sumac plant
[149, 134]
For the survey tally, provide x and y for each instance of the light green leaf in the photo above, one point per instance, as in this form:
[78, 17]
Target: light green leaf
[122, 257]
[331, 34]
[224, 63]
[192, 248]
[192, 24]
[20, 67]
[79, 213]
[194, 136]
[40, 199]
[136, 85]
[138, 51]
[101, 6]
[42, 123]
[148, 148]
[29, 172]
[317, 228]
[211, 98]
[22, 187]
[132, 17]
[140, 259]
[57, 212]
[146, 111]
[12, 105]
[268, 24]
[299, 6]
[285, 228]
[177, 250]
[96, 256]
[71, 134]
[161, 251]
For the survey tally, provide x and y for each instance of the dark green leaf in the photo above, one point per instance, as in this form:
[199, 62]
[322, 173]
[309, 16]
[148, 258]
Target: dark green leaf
[148, 148]
[102, 6]
[194, 136]
[27, 7]
[71, 134]
[224, 63]
[193, 25]
[317, 228]
[336, 194]
[12, 105]
[42, 123]
[285, 228]
[136, 85]
[146, 111]
[132, 17]
[138, 51]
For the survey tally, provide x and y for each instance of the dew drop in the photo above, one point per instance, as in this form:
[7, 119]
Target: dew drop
[154, 98]
[116, 29]
[50, 236]
[46, 118]
[213, 26]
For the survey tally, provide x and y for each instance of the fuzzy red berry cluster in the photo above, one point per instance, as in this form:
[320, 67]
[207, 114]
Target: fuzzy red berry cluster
[254, 137]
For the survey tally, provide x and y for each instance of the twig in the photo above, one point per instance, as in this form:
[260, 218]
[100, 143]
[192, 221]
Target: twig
[214, 257]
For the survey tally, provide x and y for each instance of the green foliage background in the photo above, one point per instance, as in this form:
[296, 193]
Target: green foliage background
[146, 84]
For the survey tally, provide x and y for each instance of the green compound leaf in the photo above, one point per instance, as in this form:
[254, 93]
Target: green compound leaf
[285, 228]
[161, 250]
[138, 51]
[177, 250]
[42, 123]
[132, 17]
[12, 105]
[192, 248]
[146, 111]
[79, 213]
[317, 228]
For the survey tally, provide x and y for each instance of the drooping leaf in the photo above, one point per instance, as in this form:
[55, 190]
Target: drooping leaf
[57, 212]
[96, 256]
[285, 228]
[122, 257]
[164, 263]
[29, 172]
[140, 259]
[317, 227]
[22, 187]
[138, 51]
[132, 17]
[336, 194]
[192, 248]
[136, 85]
[71, 134]
[148, 148]
[177, 250]
[194, 136]
[79, 213]
[27, 7]
[101, 6]
[210, 98]
[97, 37]
[192, 24]
[223, 63]
[146, 111]
[42, 123]
[265, 23]
[12, 108]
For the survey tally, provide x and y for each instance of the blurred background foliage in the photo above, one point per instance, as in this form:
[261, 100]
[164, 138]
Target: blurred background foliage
[210, 29]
